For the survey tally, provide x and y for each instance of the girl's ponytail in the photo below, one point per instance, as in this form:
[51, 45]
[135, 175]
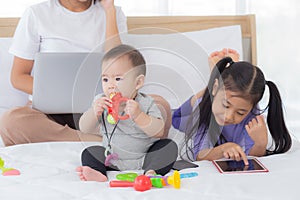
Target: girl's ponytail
[276, 124]
[206, 103]
[202, 115]
[218, 70]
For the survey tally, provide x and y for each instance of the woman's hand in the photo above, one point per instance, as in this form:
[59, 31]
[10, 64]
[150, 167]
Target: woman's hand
[100, 105]
[107, 4]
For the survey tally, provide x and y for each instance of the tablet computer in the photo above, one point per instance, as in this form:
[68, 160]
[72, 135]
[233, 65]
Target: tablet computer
[232, 166]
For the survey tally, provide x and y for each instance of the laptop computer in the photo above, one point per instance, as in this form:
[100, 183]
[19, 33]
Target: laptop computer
[66, 82]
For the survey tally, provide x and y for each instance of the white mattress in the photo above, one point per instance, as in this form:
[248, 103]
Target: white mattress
[48, 172]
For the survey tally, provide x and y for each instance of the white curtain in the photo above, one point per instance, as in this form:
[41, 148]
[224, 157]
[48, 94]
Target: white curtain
[278, 32]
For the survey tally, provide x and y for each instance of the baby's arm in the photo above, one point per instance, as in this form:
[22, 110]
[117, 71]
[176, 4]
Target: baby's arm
[152, 126]
[89, 121]
[227, 150]
[257, 130]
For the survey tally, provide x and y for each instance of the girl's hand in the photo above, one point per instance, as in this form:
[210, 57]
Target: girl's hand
[100, 105]
[234, 151]
[132, 109]
[233, 54]
[107, 4]
[216, 56]
[257, 130]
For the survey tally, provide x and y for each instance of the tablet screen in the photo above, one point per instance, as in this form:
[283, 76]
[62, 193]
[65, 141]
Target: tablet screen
[232, 166]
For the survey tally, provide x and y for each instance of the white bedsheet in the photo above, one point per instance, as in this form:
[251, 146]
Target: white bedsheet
[48, 172]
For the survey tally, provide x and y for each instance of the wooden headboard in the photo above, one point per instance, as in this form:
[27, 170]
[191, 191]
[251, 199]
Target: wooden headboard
[177, 23]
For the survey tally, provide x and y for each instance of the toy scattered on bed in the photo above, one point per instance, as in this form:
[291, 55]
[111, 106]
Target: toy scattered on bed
[8, 171]
[143, 182]
[113, 111]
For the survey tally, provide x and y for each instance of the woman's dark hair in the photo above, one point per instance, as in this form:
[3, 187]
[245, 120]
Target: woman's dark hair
[249, 82]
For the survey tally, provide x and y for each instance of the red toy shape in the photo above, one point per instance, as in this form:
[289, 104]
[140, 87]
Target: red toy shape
[141, 183]
[113, 111]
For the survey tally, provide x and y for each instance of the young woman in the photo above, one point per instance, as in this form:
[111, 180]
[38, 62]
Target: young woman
[59, 26]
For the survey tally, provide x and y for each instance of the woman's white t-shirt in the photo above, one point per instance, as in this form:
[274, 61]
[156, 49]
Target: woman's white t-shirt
[49, 27]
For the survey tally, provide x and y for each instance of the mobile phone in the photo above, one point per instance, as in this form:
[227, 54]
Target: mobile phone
[183, 164]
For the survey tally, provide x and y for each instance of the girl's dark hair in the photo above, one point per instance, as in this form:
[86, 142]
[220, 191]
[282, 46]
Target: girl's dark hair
[249, 82]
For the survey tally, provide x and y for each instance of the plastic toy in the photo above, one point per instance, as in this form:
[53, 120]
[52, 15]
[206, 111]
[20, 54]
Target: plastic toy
[133, 180]
[188, 175]
[156, 181]
[184, 175]
[8, 171]
[113, 111]
[127, 177]
[174, 179]
[141, 183]
[110, 157]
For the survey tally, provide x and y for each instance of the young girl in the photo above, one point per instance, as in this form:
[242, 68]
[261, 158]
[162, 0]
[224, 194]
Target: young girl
[224, 120]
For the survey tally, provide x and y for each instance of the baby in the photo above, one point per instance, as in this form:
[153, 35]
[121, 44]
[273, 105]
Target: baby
[130, 144]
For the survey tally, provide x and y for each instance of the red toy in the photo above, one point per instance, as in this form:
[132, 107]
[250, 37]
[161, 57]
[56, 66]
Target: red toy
[113, 112]
[141, 183]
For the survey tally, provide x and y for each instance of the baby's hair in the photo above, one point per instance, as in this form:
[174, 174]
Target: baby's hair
[249, 82]
[132, 54]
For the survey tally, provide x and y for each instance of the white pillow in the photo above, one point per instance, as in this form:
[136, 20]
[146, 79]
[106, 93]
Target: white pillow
[215, 39]
[9, 96]
[177, 63]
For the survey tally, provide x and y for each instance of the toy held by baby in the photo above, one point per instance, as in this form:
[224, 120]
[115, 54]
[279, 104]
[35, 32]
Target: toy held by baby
[113, 111]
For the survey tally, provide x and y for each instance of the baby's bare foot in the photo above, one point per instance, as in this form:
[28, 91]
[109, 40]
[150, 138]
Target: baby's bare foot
[86, 173]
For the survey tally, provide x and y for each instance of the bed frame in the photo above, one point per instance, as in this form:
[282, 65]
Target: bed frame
[176, 23]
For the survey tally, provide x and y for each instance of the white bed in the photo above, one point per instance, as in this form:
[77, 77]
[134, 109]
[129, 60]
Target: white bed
[48, 169]
[48, 172]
